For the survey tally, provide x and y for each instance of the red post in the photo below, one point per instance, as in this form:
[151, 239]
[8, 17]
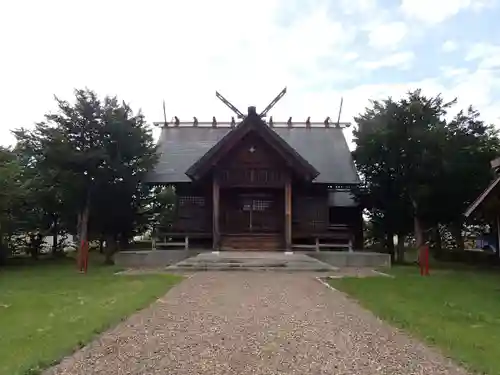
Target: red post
[424, 260]
[83, 257]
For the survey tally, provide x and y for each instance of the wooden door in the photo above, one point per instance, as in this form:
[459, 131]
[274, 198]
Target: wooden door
[252, 212]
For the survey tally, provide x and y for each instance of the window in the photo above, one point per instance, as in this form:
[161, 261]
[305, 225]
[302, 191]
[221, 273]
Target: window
[261, 205]
[192, 201]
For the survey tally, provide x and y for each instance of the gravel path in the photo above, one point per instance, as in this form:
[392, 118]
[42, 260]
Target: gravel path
[254, 323]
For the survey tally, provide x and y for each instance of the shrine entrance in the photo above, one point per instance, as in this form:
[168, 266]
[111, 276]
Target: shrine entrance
[252, 211]
[252, 219]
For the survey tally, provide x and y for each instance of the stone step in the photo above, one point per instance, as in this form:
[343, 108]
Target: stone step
[242, 261]
[225, 268]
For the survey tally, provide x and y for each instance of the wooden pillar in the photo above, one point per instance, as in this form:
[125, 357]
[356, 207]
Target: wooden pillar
[215, 213]
[288, 215]
[498, 235]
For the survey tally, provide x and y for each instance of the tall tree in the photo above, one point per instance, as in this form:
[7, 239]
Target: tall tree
[98, 152]
[416, 164]
[46, 191]
[11, 195]
[397, 150]
[469, 146]
[72, 143]
[121, 198]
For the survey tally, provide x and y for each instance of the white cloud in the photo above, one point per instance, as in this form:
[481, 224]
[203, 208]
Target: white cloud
[449, 46]
[351, 56]
[487, 55]
[358, 6]
[433, 12]
[399, 60]
[479, 5]
[183, 51]
[387, 35]
[450, 71]
[178, 51]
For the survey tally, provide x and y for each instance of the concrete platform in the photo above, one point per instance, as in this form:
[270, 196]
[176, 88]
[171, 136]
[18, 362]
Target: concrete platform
[248, 261]
[252, 260]
[353, 258]
[151, 258]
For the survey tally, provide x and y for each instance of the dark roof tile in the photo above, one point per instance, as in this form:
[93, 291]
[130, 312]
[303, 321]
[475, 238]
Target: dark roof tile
[324, 148]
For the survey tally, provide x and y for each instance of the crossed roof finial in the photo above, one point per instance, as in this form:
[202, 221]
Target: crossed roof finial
[251, 109]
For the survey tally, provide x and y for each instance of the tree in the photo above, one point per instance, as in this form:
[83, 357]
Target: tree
[72, 146]
[469, 146]
[121, 198]
[397, 153]
[50, 211]
[98, 152]
[11, 194]
[419, 167]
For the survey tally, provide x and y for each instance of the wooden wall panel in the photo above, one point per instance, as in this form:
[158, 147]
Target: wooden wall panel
[252, 163]
[193, 213]
[309, 212]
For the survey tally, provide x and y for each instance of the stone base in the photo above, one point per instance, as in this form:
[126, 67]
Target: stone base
[152, 258]
[189, 259]
[252, 261]
[353, 259]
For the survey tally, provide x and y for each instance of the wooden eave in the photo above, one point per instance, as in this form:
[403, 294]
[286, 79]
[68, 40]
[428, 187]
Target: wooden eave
[252, 122]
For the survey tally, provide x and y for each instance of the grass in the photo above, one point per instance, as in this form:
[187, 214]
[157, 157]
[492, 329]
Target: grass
[457, 310]
[49, 310]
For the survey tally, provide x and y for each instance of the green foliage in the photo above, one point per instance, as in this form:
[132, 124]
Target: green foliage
[119, 207]
[12, 195]
[420, 170]
[82, 169]
[164, 208]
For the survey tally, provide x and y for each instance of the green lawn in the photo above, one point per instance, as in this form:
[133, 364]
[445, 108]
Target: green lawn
[49, 310]
[455, 310]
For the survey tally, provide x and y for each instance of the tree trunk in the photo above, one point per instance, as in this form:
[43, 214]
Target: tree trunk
[419, 232]
[110, 250]
[34, 246]
[55, 239]
[496, 225]
[438, 243]
[124, 243]
[389, 244]
[456, 231]
[3, 250]
[401, 249]
[78, 234]
[417, 227]
[83, 225]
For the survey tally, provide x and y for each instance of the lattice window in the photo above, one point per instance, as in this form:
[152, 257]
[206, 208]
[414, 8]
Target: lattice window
[192, 201]
[261, 205]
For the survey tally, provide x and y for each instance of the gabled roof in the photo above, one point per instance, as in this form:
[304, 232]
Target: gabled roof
[484, 195]
[252, 123]
[325, 148]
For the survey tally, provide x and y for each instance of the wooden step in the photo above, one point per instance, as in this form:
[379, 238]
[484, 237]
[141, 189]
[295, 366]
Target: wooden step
[256, 242]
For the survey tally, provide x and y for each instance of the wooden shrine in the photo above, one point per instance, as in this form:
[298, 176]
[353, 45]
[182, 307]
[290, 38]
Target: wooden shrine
[260, 185]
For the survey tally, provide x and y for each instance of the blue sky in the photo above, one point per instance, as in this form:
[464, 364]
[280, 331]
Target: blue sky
[182, 51]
